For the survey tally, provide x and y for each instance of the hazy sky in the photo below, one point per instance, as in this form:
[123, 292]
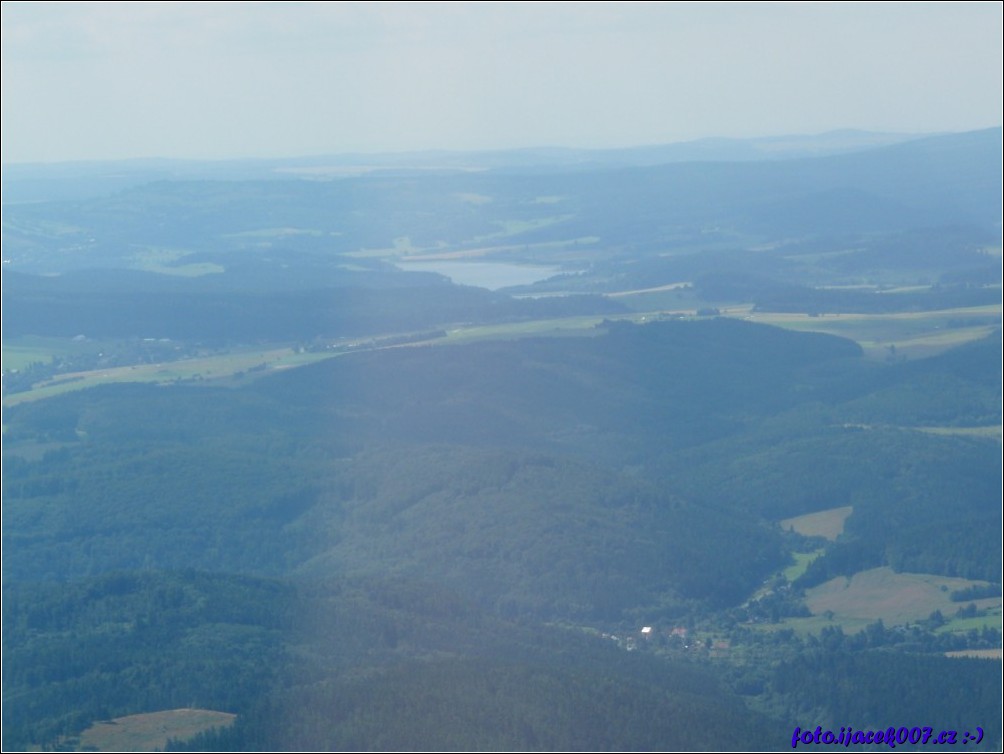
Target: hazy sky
[96, 80]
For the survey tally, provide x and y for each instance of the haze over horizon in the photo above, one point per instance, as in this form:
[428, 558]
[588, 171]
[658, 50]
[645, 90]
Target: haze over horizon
[93, 81]
[501, 377]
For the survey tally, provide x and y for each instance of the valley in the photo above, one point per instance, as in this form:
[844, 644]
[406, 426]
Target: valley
[258, 465]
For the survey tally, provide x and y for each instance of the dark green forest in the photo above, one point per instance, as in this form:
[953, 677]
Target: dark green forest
[487, 488]
[451, 531]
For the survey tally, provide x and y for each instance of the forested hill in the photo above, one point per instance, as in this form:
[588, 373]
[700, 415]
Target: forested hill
[429, 508]
[740, 437]
[316, 465]
[414, 437]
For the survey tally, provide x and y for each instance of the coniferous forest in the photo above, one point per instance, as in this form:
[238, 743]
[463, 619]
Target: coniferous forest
[730, 466]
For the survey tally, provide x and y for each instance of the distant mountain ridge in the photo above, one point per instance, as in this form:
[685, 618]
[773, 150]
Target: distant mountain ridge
[23, 182]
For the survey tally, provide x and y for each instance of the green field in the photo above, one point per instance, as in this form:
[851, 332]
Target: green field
[802, 562]
[19, 353]
[151, 731]
[828, 523]
[561, 326]
[895, 598]
[584, 325]
[882, 336]
[206, 368]
[984, 654]
[993, 432]
[21, 357]
[166, 262]
[993, 617]
[910, 334]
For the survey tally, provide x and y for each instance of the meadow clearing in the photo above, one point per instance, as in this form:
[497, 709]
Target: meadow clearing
[895, 599]
[152, 730]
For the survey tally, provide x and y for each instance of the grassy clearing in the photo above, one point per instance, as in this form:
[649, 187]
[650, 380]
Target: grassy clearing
[931, 344]
[993, 432]
[895, 598]
[802, 561]
[984, 654]
[656, 289]
[512, 227]
[813, 625]
[581, 325]
[206, 368]
[828, 523]
[151, 731]
[165, 262]
[992, 606]
[19, 353]
[910, 334]
[851, 624]
[20, 357]
[585, 325]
